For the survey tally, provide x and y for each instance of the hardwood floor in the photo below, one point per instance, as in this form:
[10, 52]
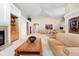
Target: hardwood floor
[9, 51]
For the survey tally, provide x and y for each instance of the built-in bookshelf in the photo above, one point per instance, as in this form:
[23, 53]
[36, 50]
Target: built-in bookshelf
[14, 28]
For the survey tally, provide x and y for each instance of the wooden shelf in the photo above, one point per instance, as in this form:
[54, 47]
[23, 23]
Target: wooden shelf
[14, 28]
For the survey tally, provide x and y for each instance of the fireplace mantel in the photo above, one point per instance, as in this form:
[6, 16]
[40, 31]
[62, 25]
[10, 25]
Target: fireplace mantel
[3, 27]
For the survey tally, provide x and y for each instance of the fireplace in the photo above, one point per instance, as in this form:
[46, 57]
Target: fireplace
[2, 38]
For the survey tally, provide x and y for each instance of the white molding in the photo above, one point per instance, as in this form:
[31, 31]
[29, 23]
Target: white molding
[15, 10]
[68, 16]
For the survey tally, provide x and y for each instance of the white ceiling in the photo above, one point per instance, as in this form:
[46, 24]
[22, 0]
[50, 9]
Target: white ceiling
[41, 9]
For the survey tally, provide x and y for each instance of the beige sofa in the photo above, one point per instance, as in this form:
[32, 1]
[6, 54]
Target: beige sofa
[65, 44]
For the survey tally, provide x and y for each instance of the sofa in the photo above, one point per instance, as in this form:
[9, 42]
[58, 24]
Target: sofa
[65, 44]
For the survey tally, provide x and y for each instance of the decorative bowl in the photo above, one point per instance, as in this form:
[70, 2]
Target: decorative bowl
[32, 39]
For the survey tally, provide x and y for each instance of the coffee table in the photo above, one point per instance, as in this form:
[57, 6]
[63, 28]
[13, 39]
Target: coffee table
[28, 48]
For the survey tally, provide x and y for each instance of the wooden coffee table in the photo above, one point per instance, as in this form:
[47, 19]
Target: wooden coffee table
[28, 48]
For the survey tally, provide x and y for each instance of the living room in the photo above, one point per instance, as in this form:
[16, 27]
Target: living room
[50, 25]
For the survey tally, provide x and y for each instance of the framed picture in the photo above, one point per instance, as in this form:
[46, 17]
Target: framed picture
[49, 26]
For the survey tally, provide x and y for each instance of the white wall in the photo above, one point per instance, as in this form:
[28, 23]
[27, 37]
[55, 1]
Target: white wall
[42, 20]
[22, 28]
[70, 7]
[4, 14]
[1, 14]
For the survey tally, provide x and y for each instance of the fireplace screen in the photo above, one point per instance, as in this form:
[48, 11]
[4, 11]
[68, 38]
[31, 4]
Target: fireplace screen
[2, 37]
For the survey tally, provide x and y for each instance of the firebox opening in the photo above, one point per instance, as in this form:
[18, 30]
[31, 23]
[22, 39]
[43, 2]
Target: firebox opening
[2, 38]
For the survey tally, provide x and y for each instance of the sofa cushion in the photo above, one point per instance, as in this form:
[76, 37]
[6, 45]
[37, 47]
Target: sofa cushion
[66, 51]
[68, 39]
[58, 50]
[73, 51]
[54, 42]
